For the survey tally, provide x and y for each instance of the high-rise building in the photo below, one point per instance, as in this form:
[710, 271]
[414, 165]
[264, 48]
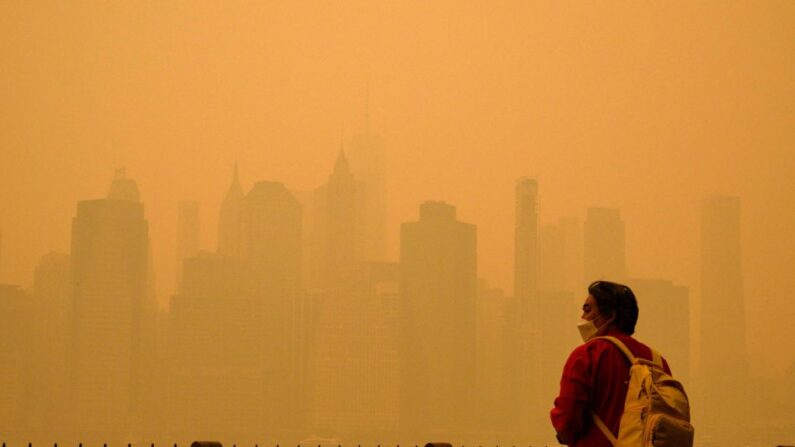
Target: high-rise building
[438, 287]
[521, 364]
[51, 290]
[272, 223]
[215, 388]
[665, 322]
[341, 231]
[572, 277]
[551, 251]
[556, 336]
[109, 286]
[604, 245]
[492, 391]
[230, 229]
[368, 165]
[310, 238]
[352, 369]
[16, 343]
[187, 234]
[526, 244]
[723, 355]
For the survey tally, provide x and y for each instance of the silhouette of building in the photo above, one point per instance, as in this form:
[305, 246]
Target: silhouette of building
[16, 343]
[230, 229]
[352, 374]
[187, 234]
[311, 241]
[604, 245]
[53, 324]
[340, 230]
[723, 355]
[665, 322]
[368, 165]
[109, 285]
[521, 365]
[551, 252]
[438, 287]
[526, 244]
[272, 222]
[492, 414]
[215, 353]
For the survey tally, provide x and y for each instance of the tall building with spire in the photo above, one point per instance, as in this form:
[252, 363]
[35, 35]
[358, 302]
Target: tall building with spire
[367, 157]
[438, 289]
[109, 287]
[723, 338]
[341, 231]
[230, 219]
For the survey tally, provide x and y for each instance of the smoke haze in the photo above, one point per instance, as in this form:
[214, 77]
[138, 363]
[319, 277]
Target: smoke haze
[648, 109]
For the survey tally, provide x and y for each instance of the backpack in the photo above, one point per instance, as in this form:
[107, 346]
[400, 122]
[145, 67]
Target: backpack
[656, 410]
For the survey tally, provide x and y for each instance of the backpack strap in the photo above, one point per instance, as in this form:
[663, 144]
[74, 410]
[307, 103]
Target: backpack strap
[656, 358]
[621, 346]
[605, 431]
[597, 420]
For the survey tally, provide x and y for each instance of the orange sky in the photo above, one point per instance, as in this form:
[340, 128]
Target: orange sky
[643, 107]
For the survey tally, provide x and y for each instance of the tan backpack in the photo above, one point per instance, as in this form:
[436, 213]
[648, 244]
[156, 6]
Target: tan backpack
[656, 410]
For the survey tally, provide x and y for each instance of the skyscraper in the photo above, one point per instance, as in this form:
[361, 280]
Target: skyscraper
[521, 363]
[571, 227]
[272, 222]
[438, 287]
[51, 290]
[341, 231]
[492, 390]
[368, 165]
[16, 313]
[352, 362]
[214, 354]
[724, 356]
[665, 322]
[551, 250]
[230, 219]
[526, 244]
[187, 234]
[604, 241]
[109, 286]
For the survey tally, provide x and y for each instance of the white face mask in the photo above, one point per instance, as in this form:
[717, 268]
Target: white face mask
[587, 329]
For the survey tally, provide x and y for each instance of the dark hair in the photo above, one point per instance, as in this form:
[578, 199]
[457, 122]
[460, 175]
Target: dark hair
[613, 297]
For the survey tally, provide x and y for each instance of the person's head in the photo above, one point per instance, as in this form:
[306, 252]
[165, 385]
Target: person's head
[611, 304]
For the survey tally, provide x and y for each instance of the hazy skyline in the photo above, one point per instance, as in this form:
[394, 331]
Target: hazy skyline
[638, 107]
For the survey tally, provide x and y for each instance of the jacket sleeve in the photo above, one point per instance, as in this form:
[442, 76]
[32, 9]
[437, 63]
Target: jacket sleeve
[570, 411]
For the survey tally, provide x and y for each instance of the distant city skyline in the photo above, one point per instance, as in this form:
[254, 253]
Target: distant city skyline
[290, 339]
[268, 187]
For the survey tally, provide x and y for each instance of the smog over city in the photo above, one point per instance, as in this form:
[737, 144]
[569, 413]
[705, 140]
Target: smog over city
[363, 223]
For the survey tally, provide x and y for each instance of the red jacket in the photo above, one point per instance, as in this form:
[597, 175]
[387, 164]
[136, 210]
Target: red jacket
[595, 378]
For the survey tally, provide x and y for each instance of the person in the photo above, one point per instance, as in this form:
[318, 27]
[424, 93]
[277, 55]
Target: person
[595, 377]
